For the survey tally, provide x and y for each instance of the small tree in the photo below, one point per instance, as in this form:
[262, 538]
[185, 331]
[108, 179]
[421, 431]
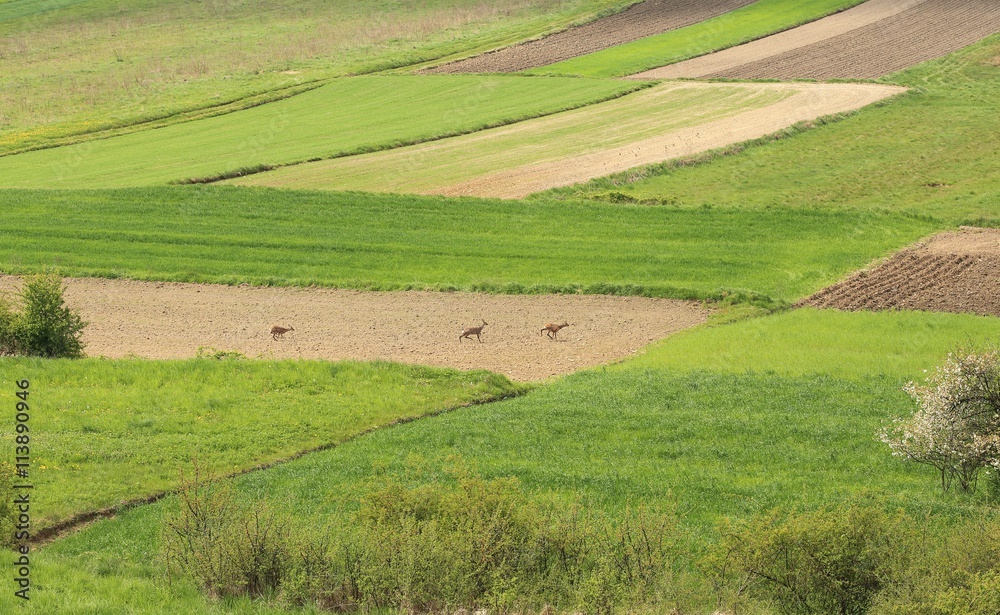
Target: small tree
[45, 327]
[956, 427]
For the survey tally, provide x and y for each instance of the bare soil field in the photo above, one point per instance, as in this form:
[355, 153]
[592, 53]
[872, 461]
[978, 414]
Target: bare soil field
[809, 102]
[784, 42]
[951, 272]
[928, 30]
[638, 21]
[172, 320]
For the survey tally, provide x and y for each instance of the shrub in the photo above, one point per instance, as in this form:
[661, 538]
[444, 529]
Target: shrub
[827, 561]
[228, 548]
[956, 428]
[45, 326]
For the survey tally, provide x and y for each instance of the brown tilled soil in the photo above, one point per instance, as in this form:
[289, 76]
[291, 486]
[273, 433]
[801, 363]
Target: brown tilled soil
[638, 21]
[951, 272]
[171, 320]
[928, 30]
[811, 100]
[859, 16]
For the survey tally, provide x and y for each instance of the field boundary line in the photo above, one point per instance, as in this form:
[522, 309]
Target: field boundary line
[74, 523]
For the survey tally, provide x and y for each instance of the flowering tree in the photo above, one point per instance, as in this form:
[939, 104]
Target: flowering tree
[956, 427]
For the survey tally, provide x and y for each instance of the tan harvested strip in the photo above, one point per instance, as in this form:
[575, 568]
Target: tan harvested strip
[929, 30]
[638, 21]
[783, 42]
[809, 102]
[172, 320]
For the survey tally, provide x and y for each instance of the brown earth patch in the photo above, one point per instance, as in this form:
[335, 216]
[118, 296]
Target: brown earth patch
[173, 320]
[638, 21]
[926, 31]
[951, 272]
[844, 22]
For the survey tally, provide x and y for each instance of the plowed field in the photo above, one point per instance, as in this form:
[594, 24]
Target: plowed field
[638, 21]
[952, 272]
[869, 41]
[172, 320]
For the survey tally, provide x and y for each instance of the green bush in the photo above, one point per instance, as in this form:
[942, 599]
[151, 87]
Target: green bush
[48, 328]
[45, 326]
[462, 542]
[827, 561]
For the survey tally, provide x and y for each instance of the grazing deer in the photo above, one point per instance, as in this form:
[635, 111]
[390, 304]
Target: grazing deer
[552, 330]
[277, 332]
[470, 331]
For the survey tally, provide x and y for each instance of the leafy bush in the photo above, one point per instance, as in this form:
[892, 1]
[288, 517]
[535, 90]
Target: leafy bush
[463, 542]
[228, 548]
[826, 561]
[956, 427]
[45, 327]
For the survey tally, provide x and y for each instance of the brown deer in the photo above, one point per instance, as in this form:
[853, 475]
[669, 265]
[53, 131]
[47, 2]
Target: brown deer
[470, 331]
[552, 330]
[277, 332]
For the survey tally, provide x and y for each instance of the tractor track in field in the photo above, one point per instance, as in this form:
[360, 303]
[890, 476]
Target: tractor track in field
[866, 42]
[952, 272]
[160, 320]
[638, 21]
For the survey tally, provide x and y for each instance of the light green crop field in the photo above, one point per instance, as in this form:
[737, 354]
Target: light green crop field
[808, 341]
[428, 167]
[924, 152]
[73, 69]
[719, 443]
[106, 432]
[749, 23]
[347, 116]
[354, 240]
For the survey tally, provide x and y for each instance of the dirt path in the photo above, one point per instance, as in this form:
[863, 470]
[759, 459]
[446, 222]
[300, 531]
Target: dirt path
[638, 21]
[783, 42]
[951, 272]
[171, 320]
[809, 102]
[845, 47]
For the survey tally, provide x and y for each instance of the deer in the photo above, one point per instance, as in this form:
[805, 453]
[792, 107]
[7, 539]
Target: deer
[277, 332]
[552, 330]
[470, 331]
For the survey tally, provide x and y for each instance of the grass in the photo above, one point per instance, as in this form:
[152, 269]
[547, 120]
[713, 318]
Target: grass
[344, 117]
[749, 23]
[113, 431]
[923, 153]
[352, 240]
[434, 166]
[79, 68]
[725, 442]
[807, 341]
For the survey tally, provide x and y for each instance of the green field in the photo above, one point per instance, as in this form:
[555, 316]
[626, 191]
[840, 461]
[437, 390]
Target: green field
[353, 240]
[347, 116]
[722, 442]
[114, 431]
[923, 152]
[749, 23]
[75, 69]
[595, 128]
